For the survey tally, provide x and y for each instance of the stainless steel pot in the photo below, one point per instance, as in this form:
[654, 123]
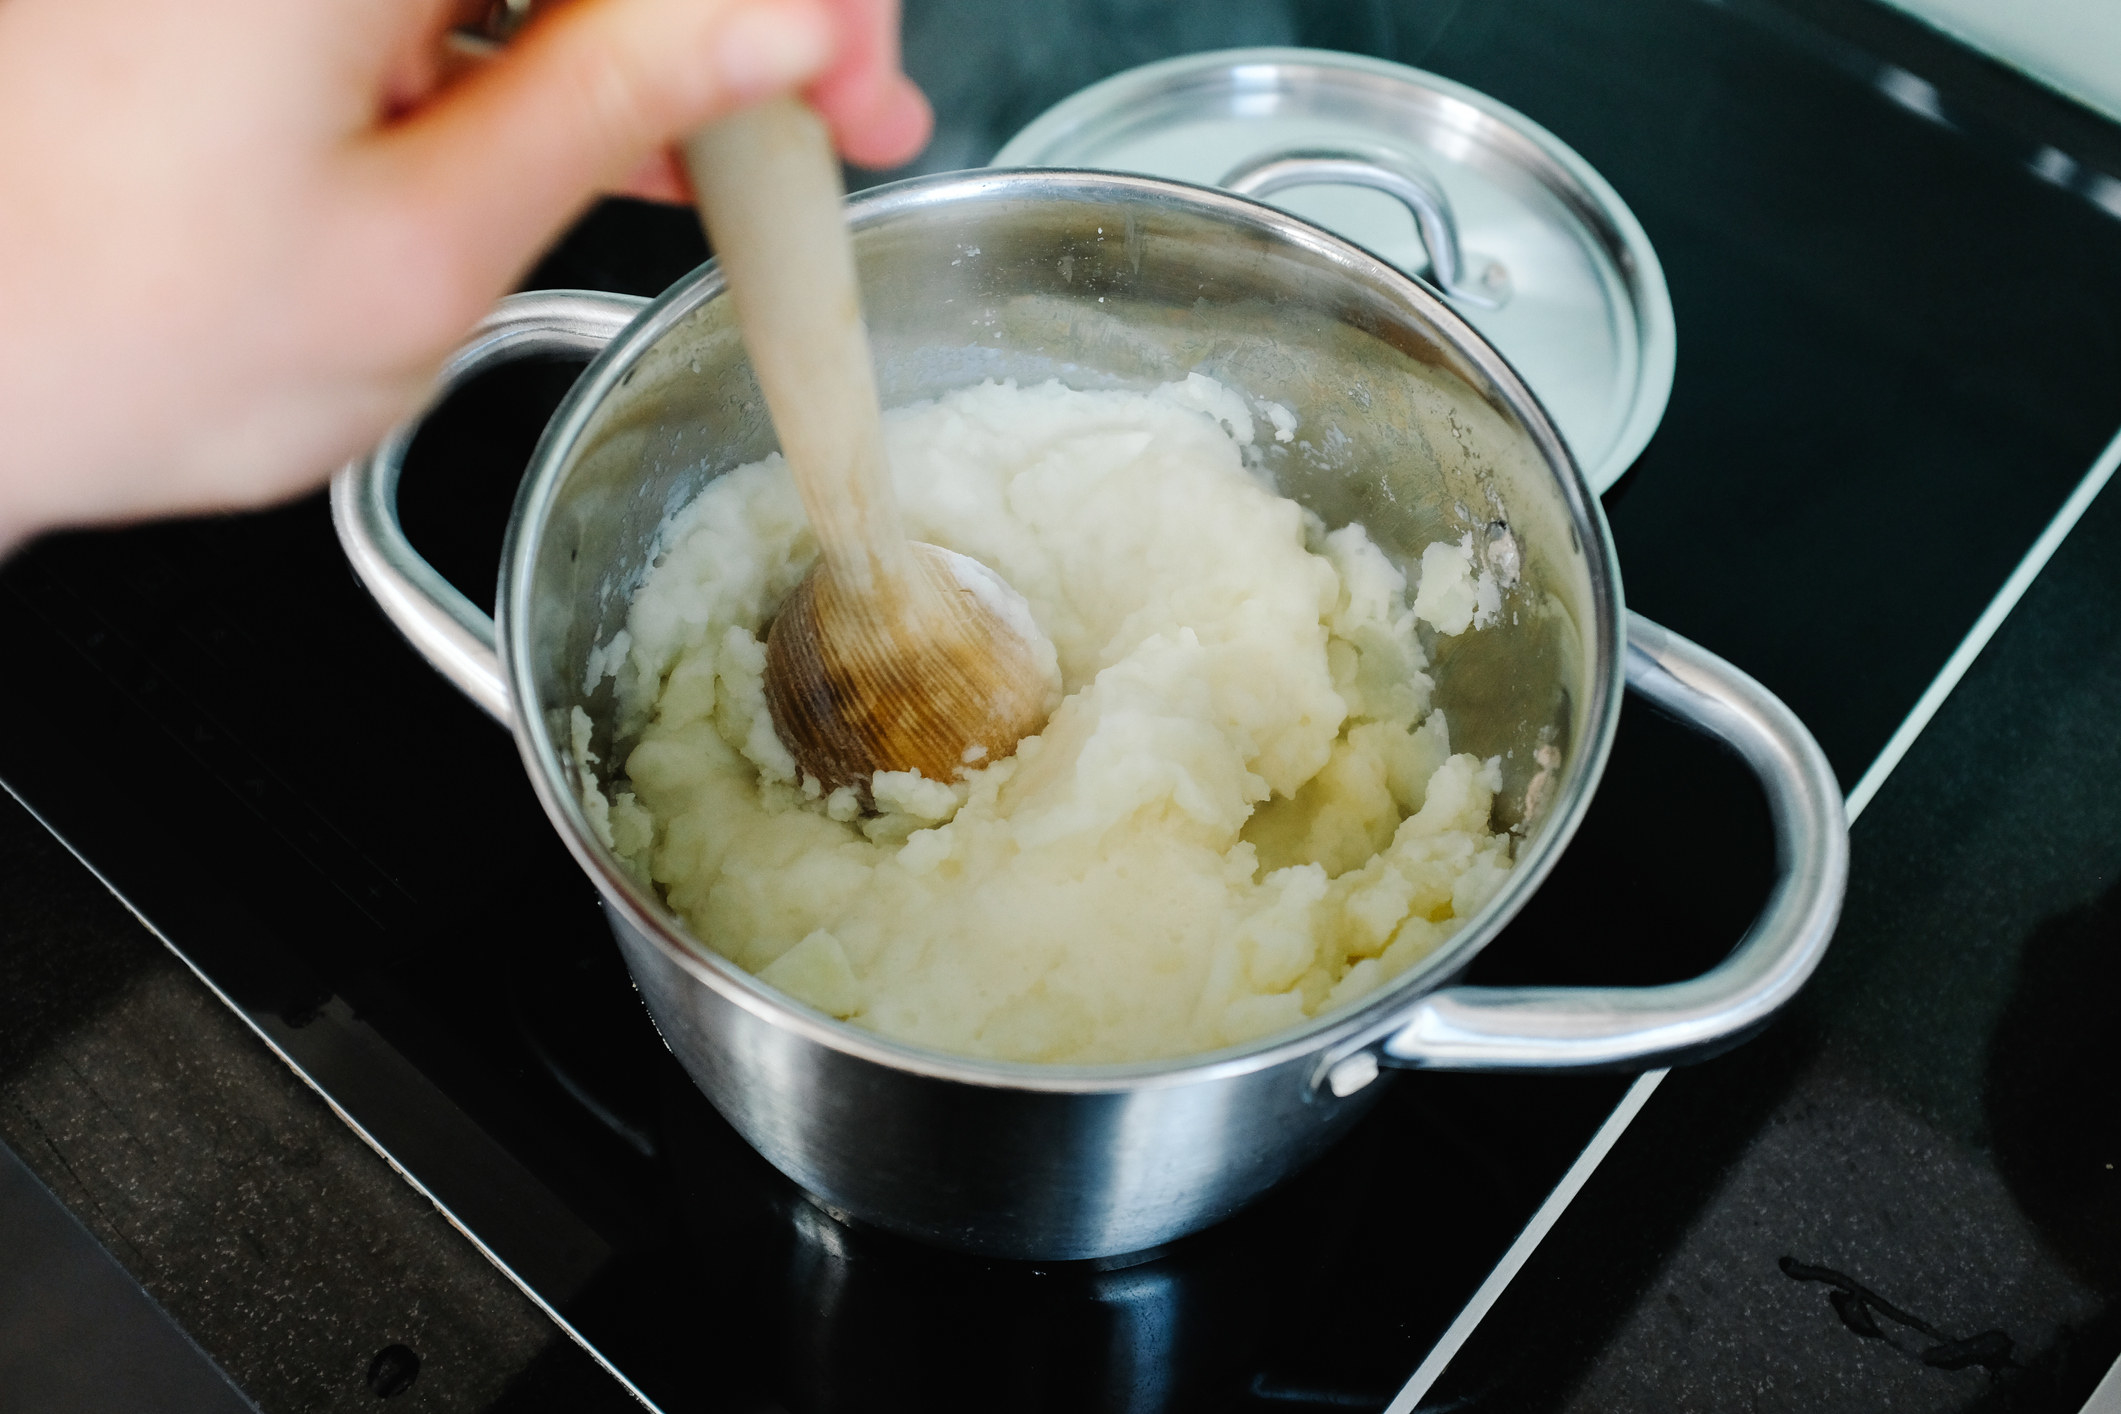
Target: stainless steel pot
[1411, 425]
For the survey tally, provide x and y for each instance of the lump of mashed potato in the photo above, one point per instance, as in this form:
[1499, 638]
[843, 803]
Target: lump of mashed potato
[1243, 814]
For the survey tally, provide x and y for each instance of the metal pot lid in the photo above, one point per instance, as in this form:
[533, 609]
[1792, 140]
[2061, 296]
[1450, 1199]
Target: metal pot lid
[1527, 242]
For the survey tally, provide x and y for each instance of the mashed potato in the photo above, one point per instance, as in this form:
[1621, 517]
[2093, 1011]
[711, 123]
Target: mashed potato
[1243, 814]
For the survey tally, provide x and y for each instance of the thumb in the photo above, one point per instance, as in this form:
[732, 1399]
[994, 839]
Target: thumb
[878, 117]
[500, 160]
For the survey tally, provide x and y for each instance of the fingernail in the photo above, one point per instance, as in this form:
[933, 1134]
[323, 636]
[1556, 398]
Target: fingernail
[764, 48]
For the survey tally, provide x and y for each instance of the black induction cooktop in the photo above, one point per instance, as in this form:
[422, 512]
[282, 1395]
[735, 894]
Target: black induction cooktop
[1899, 310]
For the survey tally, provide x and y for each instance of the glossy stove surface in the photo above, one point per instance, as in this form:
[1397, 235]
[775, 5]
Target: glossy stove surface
[1900, 348]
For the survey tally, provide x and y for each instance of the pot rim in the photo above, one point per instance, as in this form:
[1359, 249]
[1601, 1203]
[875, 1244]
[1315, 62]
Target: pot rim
[1330, 1036]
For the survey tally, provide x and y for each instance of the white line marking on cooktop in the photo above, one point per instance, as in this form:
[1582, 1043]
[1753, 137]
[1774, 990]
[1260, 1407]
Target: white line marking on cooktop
[1534, 1233]
[1594, 1153]
[1985, 627]
[355, 1125]
[2106, 1399]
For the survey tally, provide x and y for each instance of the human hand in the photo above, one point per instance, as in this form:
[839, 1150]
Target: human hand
[237, 237]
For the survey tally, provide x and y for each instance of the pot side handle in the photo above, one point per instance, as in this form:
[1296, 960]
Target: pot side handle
[453, 634]
[1529, 1028]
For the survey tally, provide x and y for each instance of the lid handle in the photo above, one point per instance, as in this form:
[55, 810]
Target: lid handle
[1460, 275]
